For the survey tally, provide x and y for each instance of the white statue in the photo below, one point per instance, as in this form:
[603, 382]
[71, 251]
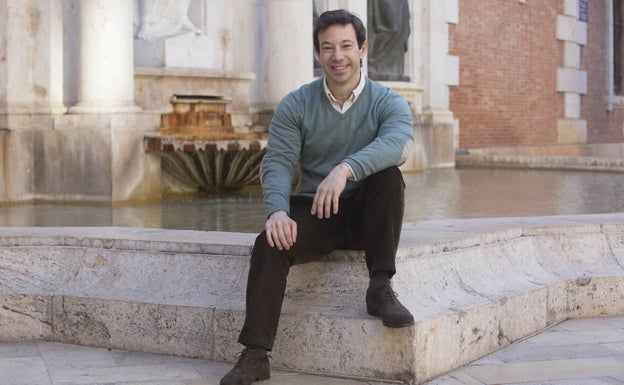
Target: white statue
[159, 19]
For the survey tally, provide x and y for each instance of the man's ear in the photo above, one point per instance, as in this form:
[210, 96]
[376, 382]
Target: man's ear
[363, 49]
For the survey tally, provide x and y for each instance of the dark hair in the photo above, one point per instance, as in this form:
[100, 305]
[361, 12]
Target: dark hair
[339, 16]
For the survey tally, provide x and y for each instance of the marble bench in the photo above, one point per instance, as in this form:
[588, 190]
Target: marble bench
[473, 285]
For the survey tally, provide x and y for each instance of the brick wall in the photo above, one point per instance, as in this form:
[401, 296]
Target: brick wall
[509, 55]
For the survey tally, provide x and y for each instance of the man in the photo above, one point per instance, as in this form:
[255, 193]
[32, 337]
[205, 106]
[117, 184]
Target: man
[345, 135]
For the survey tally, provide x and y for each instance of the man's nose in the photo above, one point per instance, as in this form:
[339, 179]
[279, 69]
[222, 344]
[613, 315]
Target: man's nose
[337, 54]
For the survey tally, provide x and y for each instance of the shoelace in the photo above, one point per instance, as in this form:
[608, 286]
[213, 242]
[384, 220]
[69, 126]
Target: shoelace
[242, 355]
[390, 294]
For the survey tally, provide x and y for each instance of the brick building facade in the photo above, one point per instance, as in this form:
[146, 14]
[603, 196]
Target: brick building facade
[535, 73]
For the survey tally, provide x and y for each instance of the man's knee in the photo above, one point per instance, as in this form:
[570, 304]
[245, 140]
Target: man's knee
[388, 178]
[262, 254]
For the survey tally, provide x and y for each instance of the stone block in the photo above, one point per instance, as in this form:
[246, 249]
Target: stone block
[188, 50]
[595, 297]
[569, 28]
[153, 328]
[572, 105]
[571, 55]
[16, 164]
[571, 131]
[316, 343]
[25, 316]
[571, 80]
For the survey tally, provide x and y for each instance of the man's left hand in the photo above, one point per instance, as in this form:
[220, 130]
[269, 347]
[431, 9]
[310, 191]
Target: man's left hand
[328, 191]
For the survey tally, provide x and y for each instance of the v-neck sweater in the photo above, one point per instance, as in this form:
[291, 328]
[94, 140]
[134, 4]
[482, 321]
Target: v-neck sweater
[307, 135]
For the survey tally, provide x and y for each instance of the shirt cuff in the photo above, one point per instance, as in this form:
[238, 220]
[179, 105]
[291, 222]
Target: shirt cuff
[353, 177]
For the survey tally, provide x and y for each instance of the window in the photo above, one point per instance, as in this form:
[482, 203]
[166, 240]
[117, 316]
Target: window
[618, 47]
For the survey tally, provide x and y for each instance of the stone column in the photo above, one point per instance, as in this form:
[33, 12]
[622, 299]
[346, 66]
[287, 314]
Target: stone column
[290, 47]
[106, 66]
[31, 57]
[439, 71]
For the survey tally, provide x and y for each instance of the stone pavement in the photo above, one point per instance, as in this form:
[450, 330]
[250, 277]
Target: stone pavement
[586, 351]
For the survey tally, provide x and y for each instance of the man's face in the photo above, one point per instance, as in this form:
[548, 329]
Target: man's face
[340, 56]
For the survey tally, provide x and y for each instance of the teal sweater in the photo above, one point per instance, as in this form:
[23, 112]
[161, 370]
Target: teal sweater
[308, 135]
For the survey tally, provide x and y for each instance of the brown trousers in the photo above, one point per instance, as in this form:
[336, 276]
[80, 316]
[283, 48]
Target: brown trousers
[370, 220]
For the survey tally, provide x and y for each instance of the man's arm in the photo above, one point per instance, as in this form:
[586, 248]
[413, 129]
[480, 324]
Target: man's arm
[281, 161]
[393, 143]
[327, 194]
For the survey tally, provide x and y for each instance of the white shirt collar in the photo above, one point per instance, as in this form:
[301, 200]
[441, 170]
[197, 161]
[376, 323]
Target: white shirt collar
[349, 102]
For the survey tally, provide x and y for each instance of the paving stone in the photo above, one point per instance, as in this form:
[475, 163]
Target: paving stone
[561, 337]
[125, 373]
[15, 349]
[57, 355]
[547, 370]
[577, 381]
[23, 371]
[528, 351]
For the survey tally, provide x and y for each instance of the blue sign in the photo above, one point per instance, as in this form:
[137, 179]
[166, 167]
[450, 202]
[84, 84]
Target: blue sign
[583, 10]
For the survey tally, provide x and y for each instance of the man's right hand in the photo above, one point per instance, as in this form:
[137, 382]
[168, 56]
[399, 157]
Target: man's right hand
[281, 231]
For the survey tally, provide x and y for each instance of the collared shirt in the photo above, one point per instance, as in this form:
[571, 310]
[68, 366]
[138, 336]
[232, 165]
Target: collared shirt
[349, 102]
[346, 105]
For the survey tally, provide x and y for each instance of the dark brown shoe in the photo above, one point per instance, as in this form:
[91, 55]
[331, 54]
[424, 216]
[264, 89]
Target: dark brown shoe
[383, 302]
[252, 365]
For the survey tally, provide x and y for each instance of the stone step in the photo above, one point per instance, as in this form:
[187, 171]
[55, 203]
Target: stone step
[474, 286]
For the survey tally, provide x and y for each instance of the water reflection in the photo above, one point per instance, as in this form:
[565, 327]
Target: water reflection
[474, 193]
[439, 194]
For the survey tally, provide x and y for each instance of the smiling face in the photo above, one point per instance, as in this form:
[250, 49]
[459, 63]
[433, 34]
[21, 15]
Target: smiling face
[340, 56]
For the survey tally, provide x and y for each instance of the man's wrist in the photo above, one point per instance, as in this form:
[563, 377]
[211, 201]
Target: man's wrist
[348, 171]
[277, 212]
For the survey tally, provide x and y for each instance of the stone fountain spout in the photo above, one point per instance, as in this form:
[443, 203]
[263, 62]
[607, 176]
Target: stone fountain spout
[199, 147]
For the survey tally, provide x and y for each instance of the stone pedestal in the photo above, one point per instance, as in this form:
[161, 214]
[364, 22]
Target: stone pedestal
[16, 165]
[434, 138]
[97, 158]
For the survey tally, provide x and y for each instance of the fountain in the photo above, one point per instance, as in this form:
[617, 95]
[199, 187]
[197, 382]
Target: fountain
[200, 149]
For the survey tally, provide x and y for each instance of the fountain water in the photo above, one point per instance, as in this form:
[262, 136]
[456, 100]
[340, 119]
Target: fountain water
[200, 148]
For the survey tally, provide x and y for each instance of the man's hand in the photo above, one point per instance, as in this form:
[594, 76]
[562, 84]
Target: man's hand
[328, 192]
[281, 231]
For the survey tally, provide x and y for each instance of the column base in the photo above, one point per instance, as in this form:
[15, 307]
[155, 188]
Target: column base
[104, 108]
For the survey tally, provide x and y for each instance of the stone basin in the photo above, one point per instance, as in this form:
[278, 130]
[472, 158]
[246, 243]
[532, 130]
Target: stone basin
[200, 149]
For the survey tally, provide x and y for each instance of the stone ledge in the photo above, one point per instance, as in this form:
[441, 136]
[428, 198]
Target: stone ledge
[541, 162]
[474, 286]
